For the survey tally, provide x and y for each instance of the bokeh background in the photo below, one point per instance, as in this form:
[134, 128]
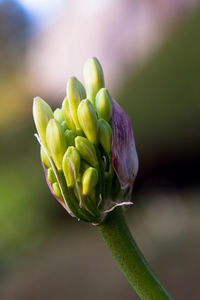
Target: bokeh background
[150, 53]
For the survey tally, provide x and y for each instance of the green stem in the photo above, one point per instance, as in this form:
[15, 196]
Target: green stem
[119, 240]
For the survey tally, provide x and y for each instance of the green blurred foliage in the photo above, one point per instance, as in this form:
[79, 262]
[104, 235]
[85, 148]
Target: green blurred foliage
[162, 97]
[25, 204]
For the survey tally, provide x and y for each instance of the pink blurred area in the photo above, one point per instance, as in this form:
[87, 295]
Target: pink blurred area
[122, 34]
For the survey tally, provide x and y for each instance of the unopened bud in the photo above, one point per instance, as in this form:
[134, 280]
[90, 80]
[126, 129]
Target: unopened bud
[56, 142]
[71, 165]
[56, 190]
[93, 76]
[103, 104]
[90, 164]
[88, 120]
[70, 136]
[42, 113]
[75, 93]
[64, 126]
[89, 180]
[86, 150]
[44, 158]
[59, 115]
[67, 114]
[105, 135]
[51, 175]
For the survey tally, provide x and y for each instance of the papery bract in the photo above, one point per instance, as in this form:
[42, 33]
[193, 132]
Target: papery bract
[124, 155]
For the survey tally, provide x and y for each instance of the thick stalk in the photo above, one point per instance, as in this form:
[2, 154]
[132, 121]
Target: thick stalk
[119, 240]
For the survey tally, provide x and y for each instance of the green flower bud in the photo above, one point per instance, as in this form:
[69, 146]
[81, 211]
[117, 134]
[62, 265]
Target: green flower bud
[103, 104]
[75, 93]
[42, 113]
[89, 180]
[70, 136]
[86, 150]
[56, 142]
[93, 76]
[105, 135]
[71, 165]
[64, 126]
[51, 175]
[44, 158]
[86, 202]
[56, 190]
[67, 114]
[59, 115]
[88, 120]
[97, 170]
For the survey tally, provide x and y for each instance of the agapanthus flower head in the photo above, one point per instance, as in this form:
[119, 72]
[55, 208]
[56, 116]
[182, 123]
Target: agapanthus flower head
[87, 148]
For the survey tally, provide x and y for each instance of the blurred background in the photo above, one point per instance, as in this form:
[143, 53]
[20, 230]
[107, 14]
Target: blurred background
[150, 53]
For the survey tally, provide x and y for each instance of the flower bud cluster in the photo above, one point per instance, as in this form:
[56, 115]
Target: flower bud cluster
[76, 146]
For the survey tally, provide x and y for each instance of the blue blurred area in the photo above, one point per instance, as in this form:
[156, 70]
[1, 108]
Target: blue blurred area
[42, 249]
[15, 29]
[40, 12]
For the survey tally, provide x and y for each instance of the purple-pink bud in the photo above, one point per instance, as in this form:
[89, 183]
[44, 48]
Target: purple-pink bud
[124, 155]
